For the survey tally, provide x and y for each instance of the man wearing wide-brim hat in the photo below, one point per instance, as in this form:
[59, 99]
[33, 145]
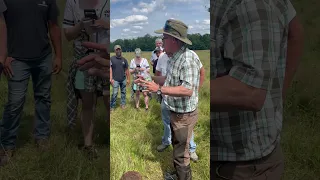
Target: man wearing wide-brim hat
[179, 89]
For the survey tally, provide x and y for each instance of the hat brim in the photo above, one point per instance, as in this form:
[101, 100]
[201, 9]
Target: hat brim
[185, 40]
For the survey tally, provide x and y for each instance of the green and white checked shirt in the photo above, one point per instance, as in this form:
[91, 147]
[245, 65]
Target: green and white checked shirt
[249, 44]
[183, 69]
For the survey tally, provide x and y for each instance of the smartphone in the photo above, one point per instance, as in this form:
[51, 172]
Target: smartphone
[90, 14]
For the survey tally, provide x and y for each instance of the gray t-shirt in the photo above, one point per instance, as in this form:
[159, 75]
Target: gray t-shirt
[119, 66]
[3, 6]
[27, 24]
[73, 14]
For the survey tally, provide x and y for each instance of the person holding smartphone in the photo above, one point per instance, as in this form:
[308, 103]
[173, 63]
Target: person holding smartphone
[140, 66]
[85, 20]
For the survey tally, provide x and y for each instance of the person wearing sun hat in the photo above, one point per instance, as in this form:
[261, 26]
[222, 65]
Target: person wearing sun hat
[179, 89]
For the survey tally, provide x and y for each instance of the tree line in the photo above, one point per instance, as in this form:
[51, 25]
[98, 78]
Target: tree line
[147, 43]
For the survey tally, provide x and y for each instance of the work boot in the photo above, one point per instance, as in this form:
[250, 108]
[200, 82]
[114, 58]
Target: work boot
[184, 172]
[162, 147]
[194, 157]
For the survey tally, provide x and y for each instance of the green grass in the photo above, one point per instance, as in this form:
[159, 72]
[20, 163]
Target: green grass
[136, 134]
[301, 135]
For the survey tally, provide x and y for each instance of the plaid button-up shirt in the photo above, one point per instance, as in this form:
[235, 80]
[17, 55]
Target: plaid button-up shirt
[183, 69]
[250, 40]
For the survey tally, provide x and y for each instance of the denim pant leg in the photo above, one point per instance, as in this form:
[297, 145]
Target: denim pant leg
[165, 114]
[17, 89]
[123, 86]
[115, 89]
[41, 78]
[192, 144]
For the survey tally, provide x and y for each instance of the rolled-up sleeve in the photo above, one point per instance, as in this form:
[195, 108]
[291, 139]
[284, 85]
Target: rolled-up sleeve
[189, 72]
[254, 43]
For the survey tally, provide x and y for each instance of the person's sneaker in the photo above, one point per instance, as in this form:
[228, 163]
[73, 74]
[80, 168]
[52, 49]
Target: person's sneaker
[111, 109]
[90, 151]
[42, 144]
[194, 157]
[5, 156]
[123, 106]
[170, 176]
[162, 147]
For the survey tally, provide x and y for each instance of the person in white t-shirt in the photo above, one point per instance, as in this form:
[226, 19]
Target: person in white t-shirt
[161, 70]
[140, 66]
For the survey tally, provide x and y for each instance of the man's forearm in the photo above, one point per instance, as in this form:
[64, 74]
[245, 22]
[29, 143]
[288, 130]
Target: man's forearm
[3, 39]
[159, 79]
[202, 75]
[178, 91]
[55, 35]
[73, 32]
[229, 94]
[294, 53]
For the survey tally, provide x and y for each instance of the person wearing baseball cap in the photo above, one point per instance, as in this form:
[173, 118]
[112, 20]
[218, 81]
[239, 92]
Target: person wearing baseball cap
[179, 89]
[119, 77]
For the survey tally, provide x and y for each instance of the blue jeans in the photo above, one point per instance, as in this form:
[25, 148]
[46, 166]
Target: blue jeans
[115, 89]
[40, 72]
[166, 138]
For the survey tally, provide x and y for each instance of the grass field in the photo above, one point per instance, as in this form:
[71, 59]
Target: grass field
[136, 134]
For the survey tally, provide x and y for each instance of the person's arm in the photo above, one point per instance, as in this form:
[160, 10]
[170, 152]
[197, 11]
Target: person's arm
[246, 85]
[147, 66]
[132, 68]
[202, 76]
[54, 30]
[127, 71]
[70, 28]
[294, 52]
[3, 39]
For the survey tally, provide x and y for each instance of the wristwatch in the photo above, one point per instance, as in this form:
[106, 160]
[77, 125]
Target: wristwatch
[159, 90]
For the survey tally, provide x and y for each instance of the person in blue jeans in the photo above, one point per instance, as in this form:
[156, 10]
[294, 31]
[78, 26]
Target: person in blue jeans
[119, 77]
[29, 55]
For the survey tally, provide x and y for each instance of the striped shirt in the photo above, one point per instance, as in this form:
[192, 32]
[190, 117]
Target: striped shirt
[183, 69]
[249, 44]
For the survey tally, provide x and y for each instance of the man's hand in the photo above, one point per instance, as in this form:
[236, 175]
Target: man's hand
[7, 67]
[150, 86]
[128, 82]
[57, 66]
[94, 63]
[142, 69]
[112, 82]
[100, 24]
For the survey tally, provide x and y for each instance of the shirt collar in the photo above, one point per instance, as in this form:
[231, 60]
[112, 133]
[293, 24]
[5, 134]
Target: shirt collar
[177, 54]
